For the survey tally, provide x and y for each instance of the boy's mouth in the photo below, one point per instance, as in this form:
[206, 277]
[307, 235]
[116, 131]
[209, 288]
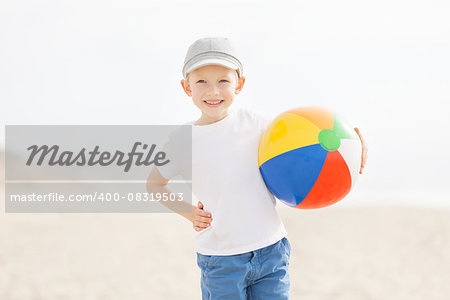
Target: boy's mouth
[213, 103]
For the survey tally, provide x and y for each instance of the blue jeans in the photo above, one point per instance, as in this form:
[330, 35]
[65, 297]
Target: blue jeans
[259, 274]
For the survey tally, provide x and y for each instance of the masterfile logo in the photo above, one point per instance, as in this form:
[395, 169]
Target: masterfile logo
[71, 168]
[68, 158]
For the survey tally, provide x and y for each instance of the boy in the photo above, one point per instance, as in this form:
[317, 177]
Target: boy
[242, 249]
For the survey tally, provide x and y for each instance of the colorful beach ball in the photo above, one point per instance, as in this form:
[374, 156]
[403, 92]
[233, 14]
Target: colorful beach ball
[309, 157]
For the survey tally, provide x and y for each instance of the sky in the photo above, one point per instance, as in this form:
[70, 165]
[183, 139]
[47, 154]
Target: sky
[384, 65]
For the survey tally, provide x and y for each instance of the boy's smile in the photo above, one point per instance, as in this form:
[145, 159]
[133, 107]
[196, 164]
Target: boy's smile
[212, 89]
[213, 103]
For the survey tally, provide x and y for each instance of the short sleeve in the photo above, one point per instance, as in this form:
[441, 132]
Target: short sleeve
[262, 120]
[178, 150]
[170, 169]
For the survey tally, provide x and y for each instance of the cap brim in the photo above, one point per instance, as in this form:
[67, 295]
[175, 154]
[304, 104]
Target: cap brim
[212, 61]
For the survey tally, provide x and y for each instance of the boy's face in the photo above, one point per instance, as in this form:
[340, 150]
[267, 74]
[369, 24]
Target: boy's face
[212, 89]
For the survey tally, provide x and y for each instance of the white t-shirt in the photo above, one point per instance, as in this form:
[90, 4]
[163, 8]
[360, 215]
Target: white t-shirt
[226, 179]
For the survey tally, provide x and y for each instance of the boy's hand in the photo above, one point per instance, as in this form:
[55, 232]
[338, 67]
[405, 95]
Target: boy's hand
[365, 150]
[200, 218]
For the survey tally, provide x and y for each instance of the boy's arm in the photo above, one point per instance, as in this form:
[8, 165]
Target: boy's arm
[200, 219]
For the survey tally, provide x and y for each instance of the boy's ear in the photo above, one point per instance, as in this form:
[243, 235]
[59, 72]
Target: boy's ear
[240, 84]
[186, 87]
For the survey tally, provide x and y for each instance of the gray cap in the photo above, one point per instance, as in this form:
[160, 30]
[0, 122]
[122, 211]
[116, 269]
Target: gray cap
[211, 51]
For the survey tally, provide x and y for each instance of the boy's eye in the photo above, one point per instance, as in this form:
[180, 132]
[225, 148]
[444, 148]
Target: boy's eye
[224, 80]
[201, 81]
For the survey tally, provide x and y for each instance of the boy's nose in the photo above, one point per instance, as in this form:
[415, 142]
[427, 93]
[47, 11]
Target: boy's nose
[214, 91]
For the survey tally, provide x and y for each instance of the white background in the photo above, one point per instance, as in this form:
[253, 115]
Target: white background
[383, 64]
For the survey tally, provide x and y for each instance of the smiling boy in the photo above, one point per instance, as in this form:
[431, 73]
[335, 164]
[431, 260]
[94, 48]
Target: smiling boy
[212, 89]
[242, 249]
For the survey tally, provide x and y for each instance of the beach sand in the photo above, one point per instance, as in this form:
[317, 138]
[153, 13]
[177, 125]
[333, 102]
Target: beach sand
[337, 253]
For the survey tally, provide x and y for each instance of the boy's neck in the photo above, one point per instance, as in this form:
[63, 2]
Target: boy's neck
[207, 120]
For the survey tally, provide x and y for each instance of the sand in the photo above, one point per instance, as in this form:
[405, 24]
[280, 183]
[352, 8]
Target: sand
[337, 253]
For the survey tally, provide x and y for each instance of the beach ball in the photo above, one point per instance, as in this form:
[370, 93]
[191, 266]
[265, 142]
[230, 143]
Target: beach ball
[309, 157]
